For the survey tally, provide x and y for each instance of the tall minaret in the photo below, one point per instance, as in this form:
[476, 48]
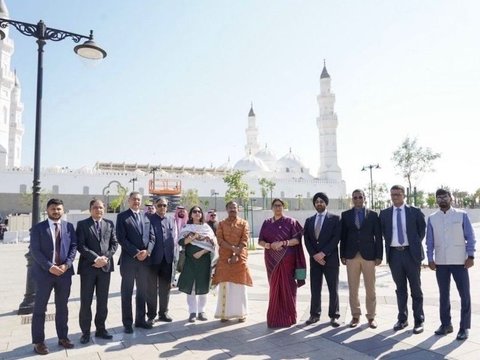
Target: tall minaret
[327, 130]
[252, 145]
[11, 108]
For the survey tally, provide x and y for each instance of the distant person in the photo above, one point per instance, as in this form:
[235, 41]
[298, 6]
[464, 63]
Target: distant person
[231, 273]
[450, 251]
[201, 253]
[281, 238]
[136, 237]
[361, 250]
[212, 220]
[180, 218]
[322, 234]
[97, 244]
[53, 246]
[403, 229]
[149, 209]
[161, 261]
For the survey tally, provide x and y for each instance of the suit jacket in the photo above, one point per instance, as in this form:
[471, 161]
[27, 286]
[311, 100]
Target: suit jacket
[367, 240]
[327, 240]
[164, 239]
[90, 246]
[415, 224]
[41, 246]
[131, 238]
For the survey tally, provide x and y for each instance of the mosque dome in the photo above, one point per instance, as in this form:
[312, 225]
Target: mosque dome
[291, 163]
[267, 156]
[250, 163]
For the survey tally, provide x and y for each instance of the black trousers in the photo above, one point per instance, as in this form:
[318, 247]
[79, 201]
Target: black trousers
[160, 277]
[317, 272]
[133, 273]
[98, 281]
[405, 269]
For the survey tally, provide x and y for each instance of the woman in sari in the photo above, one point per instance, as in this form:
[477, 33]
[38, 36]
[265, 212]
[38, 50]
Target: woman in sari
[200, 256]
[285, 262]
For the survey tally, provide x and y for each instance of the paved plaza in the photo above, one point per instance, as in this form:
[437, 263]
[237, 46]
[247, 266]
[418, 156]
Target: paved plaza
[250, 340]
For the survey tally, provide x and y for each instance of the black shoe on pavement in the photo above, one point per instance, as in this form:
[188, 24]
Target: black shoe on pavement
[400, 325]
[85, 339]
[103, 334]
[334, 322]
[418, 328]
[312, 320]
[165, 318]
[444, 330]
[462, 334]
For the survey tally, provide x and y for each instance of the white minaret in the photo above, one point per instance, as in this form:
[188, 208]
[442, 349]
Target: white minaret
[327, 130]
[11, 108]
[252, 145]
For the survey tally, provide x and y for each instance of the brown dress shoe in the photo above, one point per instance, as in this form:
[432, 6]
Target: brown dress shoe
[65, 343]
[372, 324]
[40, 348]
[354, 322]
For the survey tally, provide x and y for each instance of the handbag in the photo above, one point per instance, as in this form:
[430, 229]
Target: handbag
[181, 260]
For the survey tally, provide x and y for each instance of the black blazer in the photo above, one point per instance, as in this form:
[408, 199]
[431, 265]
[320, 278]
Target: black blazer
[415, 224]
[90, 246]
[367, 240]
[164, 239]
[327, 240]
[130, 237]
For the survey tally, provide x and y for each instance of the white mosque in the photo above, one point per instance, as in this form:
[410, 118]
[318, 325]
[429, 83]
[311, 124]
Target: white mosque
[77, 186]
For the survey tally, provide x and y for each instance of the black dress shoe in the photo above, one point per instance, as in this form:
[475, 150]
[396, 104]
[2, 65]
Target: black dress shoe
[127, 329]
[418, 328]
[400, 325]
[85, 339]
[103, 334]
[444, 330]
[334, 323]
[144, 325]
[312, 320]
[192, 317]
[462, 334]
[202, 316]
[165, 318]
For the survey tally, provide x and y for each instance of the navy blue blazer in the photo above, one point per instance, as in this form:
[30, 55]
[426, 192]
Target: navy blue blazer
[131, 238]
[367, 240]
[415, 224]
[164, 239]
[41, 246]
[90, 246]
[327, 241]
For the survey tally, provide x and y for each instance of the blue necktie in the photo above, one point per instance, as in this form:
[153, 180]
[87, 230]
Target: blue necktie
[401, 239]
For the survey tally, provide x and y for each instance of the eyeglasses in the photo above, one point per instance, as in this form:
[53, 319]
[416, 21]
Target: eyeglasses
[213, 215]
[357, 197]
[196, 212]
[277, 205]
[161, 205]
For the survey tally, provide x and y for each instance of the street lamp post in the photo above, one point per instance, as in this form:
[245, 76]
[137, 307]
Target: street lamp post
[88, 50]
[133, 181]
[371, 167]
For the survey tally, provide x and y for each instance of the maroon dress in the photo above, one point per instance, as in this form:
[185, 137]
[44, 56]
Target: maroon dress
[281, 267]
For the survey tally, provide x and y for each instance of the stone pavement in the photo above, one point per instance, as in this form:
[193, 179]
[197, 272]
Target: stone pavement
[250, 340]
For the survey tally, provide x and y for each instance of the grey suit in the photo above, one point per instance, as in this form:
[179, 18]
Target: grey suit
[405, 264]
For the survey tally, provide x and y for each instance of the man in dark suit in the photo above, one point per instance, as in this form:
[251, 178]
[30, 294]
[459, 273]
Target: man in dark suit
[161, 262]
[361, 249]
[53, 246]
[96, 243]
[403, 229]
[136, 237]
[322, 234]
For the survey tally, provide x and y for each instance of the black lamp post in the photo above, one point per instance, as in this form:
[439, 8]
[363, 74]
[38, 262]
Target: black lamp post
[87, 50]
[371, 167]
[133, 181]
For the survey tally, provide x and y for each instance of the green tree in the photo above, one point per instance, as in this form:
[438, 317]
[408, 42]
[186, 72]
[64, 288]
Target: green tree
[237, 188]
[118, 203]
[412, 160]
[266, 187]
[190, 198]
[431, 200]
[27, 199]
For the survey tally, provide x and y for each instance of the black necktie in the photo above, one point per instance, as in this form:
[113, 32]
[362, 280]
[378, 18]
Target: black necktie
[99, 231]
[58, 244]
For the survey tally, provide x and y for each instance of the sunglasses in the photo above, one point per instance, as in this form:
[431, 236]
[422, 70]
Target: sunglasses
[161, 205]
[357, 197]
[196, 212]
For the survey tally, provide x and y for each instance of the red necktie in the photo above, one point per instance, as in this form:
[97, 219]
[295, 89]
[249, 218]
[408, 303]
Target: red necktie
[58, 244]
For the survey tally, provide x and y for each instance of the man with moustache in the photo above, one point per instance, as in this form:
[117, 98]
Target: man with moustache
[450, 252]
[137, 239]
[322, 234]
[53, 245]
[161, 262]
[231, 273]
[97, 244]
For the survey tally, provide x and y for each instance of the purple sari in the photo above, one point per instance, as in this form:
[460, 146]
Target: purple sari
[281, 267]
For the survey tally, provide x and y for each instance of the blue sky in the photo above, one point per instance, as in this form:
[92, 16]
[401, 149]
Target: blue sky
[179, 78]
